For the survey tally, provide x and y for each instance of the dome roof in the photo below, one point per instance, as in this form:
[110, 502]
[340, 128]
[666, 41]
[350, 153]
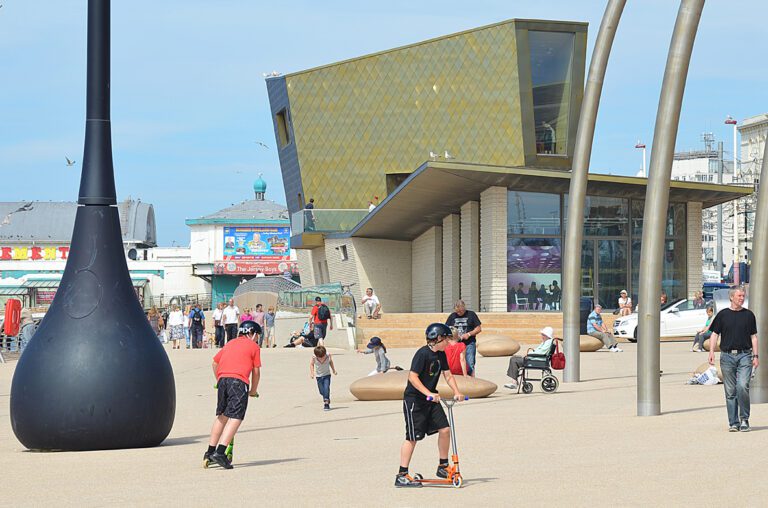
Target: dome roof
[260, 185]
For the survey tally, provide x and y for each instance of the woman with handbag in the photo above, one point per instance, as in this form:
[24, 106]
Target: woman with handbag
[543, 349]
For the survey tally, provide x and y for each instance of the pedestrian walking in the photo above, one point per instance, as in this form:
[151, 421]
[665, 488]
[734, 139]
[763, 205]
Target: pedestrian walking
[269, 327]
[218, 324]
[320, 368]
[196, 326]
[230, 316]
[736, 328]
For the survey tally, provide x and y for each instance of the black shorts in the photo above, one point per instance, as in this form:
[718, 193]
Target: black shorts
[233, 398]
[422, 418]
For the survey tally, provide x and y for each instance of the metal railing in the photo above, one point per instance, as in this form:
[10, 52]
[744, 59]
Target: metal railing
[326, 220]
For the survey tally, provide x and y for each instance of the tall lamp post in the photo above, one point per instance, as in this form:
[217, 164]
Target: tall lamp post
[94, 376]
[642, 146]
[736, 279]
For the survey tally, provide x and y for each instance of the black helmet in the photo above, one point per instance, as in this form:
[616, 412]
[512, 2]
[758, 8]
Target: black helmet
[249, 328]
[436, 330]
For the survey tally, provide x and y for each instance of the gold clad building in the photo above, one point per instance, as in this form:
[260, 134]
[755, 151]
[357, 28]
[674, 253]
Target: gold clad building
[464, 142]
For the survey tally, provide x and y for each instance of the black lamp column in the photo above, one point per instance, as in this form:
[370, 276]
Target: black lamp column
[94, 376]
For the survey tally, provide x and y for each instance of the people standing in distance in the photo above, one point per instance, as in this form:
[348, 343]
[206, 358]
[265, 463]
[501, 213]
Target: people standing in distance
[423, 416]
[218, 324]
[269, 327]
[371, 304]
[230, 316]
[196, 326]
[469, 326]
[232, 366]
[309, 215]
[598, 330]
[246, 316]
[258, 316]
[155, 320]
[176, 326]
[320, 318]
[736, 328]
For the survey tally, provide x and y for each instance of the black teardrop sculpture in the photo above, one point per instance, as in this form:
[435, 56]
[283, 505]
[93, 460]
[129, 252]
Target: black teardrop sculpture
[94, 376]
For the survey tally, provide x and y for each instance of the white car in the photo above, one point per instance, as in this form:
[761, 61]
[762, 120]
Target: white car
[678, 319]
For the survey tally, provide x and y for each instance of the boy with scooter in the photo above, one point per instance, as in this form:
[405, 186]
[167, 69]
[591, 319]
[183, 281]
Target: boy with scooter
[238, 360]
[421, 403]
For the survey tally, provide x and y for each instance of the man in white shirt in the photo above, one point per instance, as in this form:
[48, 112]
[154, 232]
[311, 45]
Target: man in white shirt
[371, 304]
[218, 324]
[230, 318]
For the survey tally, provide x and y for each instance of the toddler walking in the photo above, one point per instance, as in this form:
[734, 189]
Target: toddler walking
[320, 368]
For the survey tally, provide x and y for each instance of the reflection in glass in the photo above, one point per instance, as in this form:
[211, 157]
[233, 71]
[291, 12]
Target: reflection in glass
[604, 216]
[612, 271]
[551, 62]
[533, 273]
[675, 218]
[533, 213]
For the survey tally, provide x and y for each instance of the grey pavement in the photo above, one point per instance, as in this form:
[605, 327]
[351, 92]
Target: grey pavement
[582, 446]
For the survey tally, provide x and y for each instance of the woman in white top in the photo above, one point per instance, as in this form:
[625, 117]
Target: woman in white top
[176, 326]
[625, 304]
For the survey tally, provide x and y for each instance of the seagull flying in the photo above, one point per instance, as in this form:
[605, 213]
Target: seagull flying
[69, 162]
[261, 144]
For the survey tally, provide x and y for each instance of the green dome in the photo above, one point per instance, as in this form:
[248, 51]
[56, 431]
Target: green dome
[260, 185]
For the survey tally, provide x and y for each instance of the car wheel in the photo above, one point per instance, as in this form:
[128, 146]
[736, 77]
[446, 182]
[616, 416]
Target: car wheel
[634, 336]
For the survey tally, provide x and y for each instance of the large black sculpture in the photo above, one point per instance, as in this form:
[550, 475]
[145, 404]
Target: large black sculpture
[94, 376]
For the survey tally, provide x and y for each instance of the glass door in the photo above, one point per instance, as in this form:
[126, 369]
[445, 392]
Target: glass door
[604, 270]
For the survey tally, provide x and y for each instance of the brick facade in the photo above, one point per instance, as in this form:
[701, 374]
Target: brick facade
[493, 250]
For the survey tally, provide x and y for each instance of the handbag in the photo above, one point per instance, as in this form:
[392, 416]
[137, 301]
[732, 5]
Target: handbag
[558, 358]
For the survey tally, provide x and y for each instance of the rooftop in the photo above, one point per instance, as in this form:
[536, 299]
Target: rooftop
[251, 211]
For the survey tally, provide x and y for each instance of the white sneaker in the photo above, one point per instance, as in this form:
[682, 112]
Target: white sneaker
[511, 386]
[615, 349]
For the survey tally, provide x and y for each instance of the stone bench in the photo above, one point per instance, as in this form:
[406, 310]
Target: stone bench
[390, 386]
[496, 345]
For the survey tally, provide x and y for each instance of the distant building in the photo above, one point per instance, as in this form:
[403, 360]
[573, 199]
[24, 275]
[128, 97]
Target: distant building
[34, 246]
[242, 241]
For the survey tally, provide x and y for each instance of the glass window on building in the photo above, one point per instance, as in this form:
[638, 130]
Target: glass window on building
[533, 213]
[604, 216]
[551, 62]
[534, 266]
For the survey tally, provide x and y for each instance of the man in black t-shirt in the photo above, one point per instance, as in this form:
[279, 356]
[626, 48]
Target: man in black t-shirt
[468, 325]
[424, 417]
[737, 329]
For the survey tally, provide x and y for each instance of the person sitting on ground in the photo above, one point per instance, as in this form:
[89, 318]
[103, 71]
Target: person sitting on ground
[456, 352]
[304, 338]
[516, 362]
[375, 346]
[596, 328]
[704, 333]
[371, 304]
[625, 303]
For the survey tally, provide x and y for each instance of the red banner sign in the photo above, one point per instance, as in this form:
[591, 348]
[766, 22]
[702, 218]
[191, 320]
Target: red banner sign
[255, 267]
[34, 253]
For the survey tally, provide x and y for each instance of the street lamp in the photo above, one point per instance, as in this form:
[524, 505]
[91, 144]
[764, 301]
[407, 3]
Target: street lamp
[642, 145]
[732, 121]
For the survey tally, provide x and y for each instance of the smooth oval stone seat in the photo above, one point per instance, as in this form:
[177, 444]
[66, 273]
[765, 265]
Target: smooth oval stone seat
[706, 345]
[390, 386]
[704, 366]
[589, 344]
[497, 345]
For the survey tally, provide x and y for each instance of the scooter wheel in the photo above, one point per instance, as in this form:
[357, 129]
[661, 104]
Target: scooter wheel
[205, 463]
[527, 387]
[418, 477]
[457, 481]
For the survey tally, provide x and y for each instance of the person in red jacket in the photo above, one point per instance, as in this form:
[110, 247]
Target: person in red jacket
[320, 319]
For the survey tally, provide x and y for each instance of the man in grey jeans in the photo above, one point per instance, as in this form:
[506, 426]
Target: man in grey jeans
[597, 329]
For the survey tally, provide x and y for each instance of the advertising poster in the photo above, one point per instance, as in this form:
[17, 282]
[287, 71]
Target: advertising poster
[257, 243]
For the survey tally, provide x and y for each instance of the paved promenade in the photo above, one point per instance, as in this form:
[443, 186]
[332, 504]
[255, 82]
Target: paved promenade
[582, 446]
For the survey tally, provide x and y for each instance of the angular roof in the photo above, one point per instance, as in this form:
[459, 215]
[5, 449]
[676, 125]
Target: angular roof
[52, 222]
[248, 211]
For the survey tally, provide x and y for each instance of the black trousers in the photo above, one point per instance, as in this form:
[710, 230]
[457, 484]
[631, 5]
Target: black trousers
[231, 332]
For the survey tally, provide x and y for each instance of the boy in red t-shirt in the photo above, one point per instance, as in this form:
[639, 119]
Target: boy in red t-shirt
[455, 351]
[232, 365]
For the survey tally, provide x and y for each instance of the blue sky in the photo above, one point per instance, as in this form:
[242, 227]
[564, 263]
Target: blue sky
[189, 100]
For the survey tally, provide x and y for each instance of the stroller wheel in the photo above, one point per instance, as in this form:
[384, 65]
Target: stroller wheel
[527, 387]
[549, 384]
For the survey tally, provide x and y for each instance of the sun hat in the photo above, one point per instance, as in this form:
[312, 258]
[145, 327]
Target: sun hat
[548, 331]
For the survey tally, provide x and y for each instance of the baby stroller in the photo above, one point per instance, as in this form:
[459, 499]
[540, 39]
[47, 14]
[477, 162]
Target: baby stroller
[549, 383]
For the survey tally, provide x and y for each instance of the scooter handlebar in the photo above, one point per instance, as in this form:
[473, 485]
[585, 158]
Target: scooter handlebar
[431, 398]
